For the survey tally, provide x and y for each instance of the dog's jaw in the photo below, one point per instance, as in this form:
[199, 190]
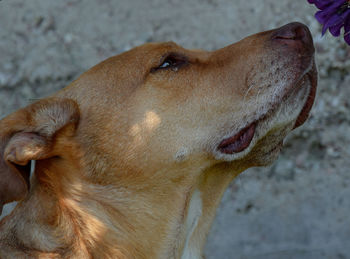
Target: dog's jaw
[290, 112]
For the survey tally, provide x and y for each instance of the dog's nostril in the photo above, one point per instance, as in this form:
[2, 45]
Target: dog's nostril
[300, 33]
[292, 31]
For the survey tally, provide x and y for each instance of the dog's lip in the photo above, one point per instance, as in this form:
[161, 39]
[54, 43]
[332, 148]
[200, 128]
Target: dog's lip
[305, 112]
[239, 141]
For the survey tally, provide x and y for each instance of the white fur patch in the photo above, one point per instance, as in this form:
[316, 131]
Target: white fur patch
[181, 154]
[191, 249]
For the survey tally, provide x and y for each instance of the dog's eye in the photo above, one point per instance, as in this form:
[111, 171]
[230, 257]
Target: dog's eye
[172, 61]
[168, 63]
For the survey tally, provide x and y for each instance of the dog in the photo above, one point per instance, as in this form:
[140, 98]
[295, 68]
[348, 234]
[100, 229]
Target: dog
[133, 157]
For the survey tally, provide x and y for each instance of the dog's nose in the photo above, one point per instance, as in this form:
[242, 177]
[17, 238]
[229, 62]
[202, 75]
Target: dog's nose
[293, 34]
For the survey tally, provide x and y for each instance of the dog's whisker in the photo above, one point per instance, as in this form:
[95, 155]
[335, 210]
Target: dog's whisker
[250, 87]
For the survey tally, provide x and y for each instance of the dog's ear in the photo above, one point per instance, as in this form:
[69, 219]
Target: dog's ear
[31, 133]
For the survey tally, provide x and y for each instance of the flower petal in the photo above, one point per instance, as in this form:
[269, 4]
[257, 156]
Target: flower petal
[320, 4]
[322, 16]
[335, 6]
[336, 22]
[332, 21]
[347, 20]
[347, 30]
[335, 29]
[333, 15]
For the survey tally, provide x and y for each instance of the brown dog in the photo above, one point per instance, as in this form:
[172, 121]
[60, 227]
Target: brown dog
[134, 156]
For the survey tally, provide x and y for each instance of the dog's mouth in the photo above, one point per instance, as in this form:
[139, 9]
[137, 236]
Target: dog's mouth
[238, 142]
[241, 140]
[305, 112]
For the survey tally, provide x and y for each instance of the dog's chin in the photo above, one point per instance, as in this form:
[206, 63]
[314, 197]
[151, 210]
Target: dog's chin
[267, 150]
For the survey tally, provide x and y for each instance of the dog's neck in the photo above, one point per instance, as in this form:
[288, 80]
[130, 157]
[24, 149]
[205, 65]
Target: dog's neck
[124, 221]
[202, 208]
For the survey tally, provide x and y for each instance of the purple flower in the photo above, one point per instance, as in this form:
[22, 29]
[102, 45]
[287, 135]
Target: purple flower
[333, 15]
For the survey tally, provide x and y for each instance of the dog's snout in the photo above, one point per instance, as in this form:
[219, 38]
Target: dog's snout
[293, 34]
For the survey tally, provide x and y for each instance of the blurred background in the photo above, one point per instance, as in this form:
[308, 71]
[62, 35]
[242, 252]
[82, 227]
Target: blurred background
[297, 208]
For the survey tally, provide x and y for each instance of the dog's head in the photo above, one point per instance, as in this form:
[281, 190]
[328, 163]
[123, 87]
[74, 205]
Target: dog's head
[162, 108]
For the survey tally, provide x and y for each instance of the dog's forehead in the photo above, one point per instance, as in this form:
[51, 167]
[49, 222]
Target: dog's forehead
[155, 51]
[159, 46]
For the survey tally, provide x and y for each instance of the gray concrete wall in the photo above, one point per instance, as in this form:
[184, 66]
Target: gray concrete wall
[297, 208]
